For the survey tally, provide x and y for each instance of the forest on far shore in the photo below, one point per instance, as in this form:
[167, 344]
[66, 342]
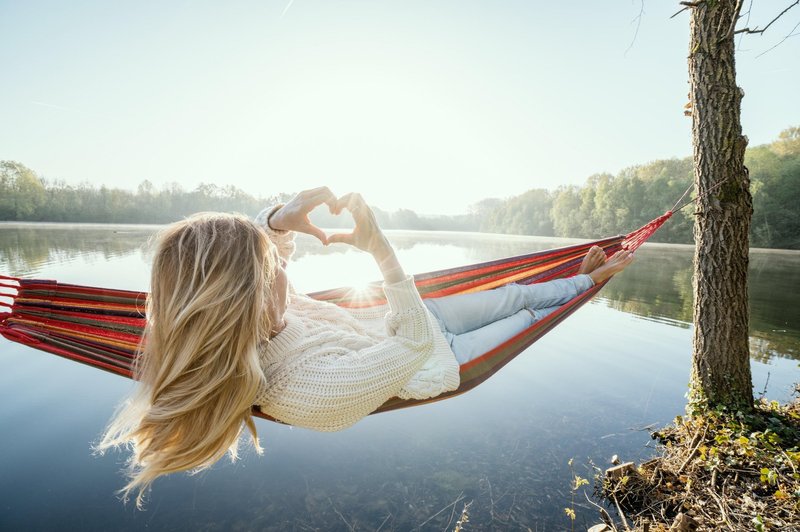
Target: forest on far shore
[604, 205]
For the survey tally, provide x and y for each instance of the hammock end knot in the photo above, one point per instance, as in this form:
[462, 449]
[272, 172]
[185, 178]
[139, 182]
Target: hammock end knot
[635, 239]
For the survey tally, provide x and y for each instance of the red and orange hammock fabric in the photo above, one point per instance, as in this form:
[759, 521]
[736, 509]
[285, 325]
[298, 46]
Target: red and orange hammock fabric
[102, 327]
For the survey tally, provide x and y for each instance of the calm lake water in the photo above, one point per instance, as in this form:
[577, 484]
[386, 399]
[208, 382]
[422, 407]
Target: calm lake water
[586, 391]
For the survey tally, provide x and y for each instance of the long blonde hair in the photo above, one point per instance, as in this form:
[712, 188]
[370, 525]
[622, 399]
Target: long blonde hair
[198, 366]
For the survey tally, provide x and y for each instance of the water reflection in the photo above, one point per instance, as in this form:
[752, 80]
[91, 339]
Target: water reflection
[580, 392]
[27, 248]
[660, 288]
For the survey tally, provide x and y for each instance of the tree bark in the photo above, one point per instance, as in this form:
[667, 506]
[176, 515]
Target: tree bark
[721, 356]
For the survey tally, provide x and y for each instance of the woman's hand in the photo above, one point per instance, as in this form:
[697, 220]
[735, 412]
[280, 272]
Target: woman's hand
[367, 236]
[294, 215]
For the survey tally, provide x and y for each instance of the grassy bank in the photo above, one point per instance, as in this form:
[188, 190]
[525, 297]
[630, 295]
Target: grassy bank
[717, 470]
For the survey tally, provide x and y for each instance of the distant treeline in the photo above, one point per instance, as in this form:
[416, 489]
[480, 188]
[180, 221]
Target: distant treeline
[605, 205]
[25, 196]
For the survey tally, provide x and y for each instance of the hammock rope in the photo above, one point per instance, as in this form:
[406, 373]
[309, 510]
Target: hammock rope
[102, 327]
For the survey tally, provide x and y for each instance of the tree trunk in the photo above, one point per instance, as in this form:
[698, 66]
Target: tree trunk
[721, 355]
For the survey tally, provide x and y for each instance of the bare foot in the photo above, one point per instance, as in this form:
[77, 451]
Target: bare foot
[594, 258]
[618, 262]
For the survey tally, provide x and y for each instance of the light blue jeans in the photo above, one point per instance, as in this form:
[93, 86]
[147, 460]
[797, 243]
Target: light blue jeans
[477, 322]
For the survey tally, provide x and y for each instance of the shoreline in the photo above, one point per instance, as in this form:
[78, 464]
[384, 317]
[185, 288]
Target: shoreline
[126, 225]
[715, 469]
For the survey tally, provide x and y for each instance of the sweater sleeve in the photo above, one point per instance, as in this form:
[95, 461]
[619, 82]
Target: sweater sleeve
[283, 240]
[333, 387]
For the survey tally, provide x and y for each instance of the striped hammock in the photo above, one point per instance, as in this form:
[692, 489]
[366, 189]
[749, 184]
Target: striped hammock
[102, 327]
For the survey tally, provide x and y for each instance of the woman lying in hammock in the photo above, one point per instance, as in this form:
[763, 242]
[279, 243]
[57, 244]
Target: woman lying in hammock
[225, 331]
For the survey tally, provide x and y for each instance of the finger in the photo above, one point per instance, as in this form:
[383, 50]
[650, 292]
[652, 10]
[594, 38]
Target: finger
[337, 206]
[343, 202]
[316, 197]
[341, 238]
[356, 201]
[312, 191]
[330, 201]
[315, 231]
[322, 195]
[351, 199]
[358, 207]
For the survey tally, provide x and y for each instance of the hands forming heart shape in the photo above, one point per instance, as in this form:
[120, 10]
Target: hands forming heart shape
[366, 235]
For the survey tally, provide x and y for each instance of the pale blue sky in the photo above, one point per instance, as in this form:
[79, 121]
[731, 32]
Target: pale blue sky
[429, 105]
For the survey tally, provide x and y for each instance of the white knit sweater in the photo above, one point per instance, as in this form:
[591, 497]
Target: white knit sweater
[331, 366]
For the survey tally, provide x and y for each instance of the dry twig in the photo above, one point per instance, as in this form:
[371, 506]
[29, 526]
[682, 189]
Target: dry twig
[762, 30]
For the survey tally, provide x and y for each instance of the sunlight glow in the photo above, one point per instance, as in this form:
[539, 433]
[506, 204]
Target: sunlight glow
[428, 106]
